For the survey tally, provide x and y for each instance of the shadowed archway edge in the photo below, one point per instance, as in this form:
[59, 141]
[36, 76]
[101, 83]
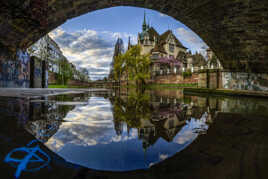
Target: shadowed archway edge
[236, 30]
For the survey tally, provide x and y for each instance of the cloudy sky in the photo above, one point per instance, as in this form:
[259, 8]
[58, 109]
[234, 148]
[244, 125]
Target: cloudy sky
[88, 40]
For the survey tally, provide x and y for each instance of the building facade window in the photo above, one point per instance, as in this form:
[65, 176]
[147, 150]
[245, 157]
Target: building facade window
[171, 47]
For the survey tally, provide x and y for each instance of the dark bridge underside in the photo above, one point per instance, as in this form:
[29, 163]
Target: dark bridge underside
[236, 30]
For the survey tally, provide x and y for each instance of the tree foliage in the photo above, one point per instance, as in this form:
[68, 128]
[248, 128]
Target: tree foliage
[65, 72]
[134, 65]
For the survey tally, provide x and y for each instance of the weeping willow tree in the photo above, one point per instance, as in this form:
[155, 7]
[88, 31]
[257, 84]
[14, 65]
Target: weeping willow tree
[133, 66]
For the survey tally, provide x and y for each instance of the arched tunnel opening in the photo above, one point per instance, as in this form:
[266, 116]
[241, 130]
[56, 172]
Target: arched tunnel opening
[82, 44]
[166, 130]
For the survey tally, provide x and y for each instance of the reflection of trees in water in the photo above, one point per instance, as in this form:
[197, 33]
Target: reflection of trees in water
[130, 109]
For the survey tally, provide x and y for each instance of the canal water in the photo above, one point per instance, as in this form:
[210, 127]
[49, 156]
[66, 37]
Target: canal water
[162, 131]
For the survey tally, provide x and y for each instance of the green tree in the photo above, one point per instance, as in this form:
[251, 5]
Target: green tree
[65, 72]
[134, 65]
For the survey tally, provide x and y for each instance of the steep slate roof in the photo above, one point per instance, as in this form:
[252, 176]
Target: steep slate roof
[158, 48]
[152, 33]
[182, 57]
[165, 35]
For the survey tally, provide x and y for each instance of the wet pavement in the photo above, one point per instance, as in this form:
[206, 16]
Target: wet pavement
[156, 134]
[43, 92]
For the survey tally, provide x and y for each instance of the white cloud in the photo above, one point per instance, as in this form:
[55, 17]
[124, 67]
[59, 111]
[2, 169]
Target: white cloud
[192, 40]
[188, 132]
[89, 48]
[163, 156]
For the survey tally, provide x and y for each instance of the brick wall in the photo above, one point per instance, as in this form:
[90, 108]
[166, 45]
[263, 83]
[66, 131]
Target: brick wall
[202, 80]
[77, 83]
[175, 79]
[52, 78]
[213, 80]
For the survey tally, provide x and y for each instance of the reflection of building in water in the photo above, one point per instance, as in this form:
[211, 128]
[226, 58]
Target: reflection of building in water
[167, 116]
[147, 133]
[165, 123]
[170, 127]
[46, 119]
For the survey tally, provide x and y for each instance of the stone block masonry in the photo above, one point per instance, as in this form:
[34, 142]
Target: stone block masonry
[203, 80]
[236, 30]
[175, 79]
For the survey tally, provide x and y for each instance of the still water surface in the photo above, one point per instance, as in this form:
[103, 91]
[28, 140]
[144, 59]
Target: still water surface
[126, 131]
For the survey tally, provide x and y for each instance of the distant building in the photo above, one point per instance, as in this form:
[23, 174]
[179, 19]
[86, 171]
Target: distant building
[47, 49]
[167, 54]
[213, 62]
[194, 62]
[118, 49]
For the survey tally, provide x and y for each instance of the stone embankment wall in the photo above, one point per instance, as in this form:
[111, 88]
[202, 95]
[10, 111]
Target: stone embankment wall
[175, 79]
[52, 80]
[245, 81]
[77, 83]
[233, 80]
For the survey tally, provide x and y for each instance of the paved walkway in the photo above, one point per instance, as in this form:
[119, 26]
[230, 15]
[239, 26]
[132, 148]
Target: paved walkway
[43, 92]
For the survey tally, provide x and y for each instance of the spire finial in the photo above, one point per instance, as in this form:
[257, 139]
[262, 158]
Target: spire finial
[144, 20]
[144, 26]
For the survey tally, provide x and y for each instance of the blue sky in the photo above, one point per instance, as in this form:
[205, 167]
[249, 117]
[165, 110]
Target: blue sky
[88, 40]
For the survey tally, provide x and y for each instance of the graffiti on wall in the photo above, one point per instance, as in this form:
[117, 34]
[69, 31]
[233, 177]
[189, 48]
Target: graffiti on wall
[37, 73]
[245, 81]
[15, 73]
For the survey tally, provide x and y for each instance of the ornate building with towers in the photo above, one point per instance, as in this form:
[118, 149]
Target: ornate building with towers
[164, 49]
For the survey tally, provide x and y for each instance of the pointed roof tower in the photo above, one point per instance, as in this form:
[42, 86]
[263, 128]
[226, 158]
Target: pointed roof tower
[144, 25]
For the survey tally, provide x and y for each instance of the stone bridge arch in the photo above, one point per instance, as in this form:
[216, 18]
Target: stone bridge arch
[236, 30]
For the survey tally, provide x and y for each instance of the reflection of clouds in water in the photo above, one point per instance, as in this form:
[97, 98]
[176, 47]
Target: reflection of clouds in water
[87, 126]
[163, 156]
[132, 135]
[189, 131]
[151, 164]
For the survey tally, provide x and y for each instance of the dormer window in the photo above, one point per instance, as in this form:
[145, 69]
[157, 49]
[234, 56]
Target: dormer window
[171, 47]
